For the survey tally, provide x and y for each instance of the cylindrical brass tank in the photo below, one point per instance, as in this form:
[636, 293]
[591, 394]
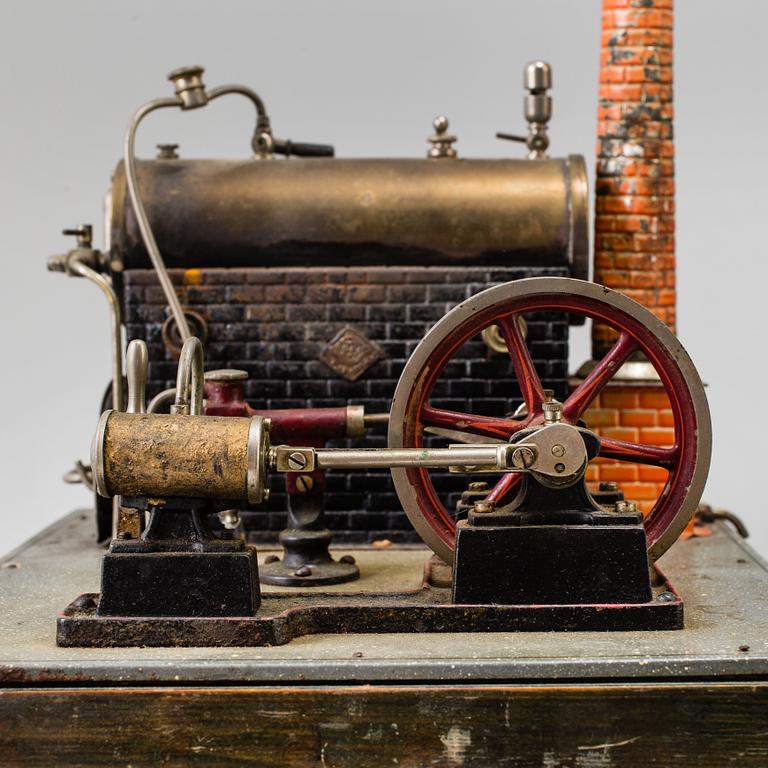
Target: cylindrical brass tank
[155, 454]
[317, 211]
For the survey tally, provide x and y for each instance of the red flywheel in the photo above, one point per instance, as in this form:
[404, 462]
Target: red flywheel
[687, 460]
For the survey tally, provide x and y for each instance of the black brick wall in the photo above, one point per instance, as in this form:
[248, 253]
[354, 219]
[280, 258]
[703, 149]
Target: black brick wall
[274, 323]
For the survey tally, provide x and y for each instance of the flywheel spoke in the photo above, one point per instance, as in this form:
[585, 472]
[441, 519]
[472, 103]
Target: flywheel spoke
[501, 490]
[601, 374]
[654, 455]
[488, 426]
[528, 378]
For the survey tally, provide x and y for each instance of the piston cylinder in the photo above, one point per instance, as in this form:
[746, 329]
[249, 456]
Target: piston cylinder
[153, 454]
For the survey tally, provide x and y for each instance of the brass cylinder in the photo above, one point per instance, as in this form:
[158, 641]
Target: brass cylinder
[337, 212]
[152, 454]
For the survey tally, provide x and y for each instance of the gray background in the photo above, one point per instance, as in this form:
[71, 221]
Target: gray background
[368, 77]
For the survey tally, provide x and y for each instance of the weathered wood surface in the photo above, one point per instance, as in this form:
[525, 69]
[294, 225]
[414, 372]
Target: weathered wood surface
[345, 727]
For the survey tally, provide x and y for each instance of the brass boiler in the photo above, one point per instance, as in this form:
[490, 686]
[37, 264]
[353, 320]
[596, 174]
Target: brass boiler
[327, 211]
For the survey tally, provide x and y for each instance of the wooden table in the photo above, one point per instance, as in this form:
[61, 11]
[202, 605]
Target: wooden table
[698, 696]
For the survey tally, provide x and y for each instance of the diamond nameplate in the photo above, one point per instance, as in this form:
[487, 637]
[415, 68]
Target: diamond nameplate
[350, 354]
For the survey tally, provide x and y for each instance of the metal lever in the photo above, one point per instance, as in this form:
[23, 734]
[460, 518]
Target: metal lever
[290, 148]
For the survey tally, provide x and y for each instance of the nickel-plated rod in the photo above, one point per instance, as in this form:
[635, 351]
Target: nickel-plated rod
[384, 458]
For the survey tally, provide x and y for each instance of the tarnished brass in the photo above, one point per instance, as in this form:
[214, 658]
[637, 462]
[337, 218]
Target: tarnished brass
[373, 211]
[160, 455]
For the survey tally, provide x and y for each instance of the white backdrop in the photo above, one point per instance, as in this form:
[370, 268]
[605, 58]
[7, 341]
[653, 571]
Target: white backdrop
[367, 77]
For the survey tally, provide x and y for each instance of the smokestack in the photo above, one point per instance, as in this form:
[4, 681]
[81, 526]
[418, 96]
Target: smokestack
[634, 227]
[635, 185]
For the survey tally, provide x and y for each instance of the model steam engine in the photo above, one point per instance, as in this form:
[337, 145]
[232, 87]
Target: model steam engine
[331, 300]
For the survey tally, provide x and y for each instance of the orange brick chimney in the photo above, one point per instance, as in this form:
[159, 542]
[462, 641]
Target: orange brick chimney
[634, 223]
[635, 186]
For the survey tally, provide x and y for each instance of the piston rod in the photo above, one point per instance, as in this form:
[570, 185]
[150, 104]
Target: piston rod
[491, 457]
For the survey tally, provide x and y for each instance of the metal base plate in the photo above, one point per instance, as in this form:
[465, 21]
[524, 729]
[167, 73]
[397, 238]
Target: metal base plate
[279, 573]
[283, 617]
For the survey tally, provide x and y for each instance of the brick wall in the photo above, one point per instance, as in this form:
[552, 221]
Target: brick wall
[635, 186]
[640, 414]
[274, 324]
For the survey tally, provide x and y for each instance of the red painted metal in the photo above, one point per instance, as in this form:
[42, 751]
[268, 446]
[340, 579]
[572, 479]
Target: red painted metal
[310, 427]
[679, 459]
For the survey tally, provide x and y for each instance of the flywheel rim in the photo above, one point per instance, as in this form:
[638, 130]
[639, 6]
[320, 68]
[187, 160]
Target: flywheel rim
[681, 381]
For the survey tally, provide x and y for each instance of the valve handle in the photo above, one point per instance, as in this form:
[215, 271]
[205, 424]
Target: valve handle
[288, 147]
[83, 233]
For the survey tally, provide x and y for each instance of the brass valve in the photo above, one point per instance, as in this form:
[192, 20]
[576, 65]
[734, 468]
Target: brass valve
[441, 140]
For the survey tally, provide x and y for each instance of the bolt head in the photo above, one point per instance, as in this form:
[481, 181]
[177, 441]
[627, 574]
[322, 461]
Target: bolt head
[478, 486]
[347, 560]
[271, 559]
[304, 483]
[523, 458]
[609, 485]
[303, 571]
[297, 460]
[483, 507]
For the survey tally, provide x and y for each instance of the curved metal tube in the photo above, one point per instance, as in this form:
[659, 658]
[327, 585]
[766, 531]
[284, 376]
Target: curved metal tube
[161, 399]
[262, 145]
[262, 119]
[129, 157]
[77, 267]
[190, 379]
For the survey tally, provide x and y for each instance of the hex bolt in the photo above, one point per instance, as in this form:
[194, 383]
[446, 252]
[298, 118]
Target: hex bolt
[483, 507]
[553, 409]
[666, 597]
[478, 486]
[609, 485]
[271, 559]
[558, 450]
[347, 560]
[297, 460]
[303, 571]
[620, 507]
[631, 506]
[230, 518]
[304, 483]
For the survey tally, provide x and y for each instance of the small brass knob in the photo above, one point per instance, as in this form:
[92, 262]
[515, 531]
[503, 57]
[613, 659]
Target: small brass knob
[441, 140]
